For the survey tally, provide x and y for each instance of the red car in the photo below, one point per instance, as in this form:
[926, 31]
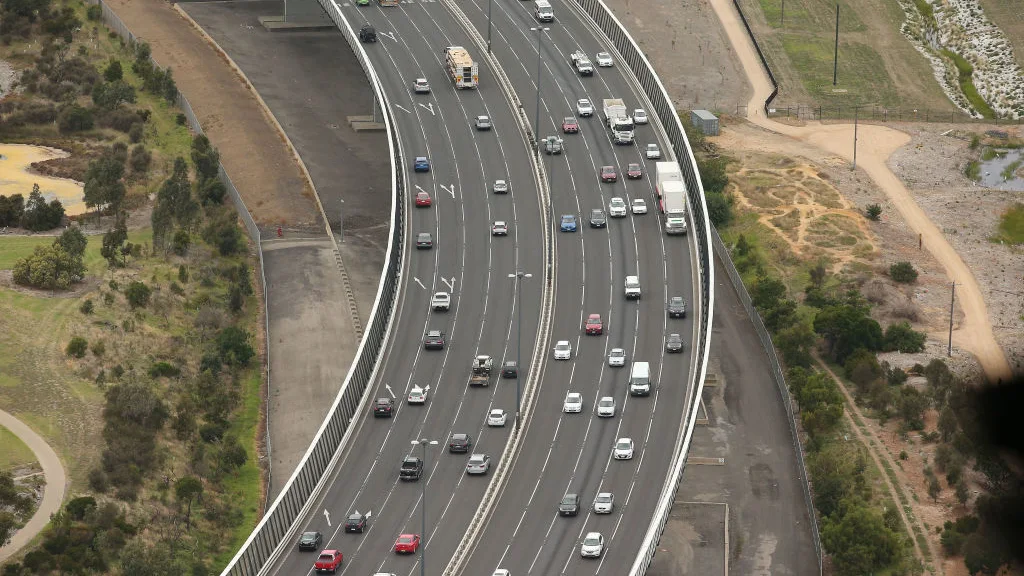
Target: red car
[329, 561]
[594, 325]
[570, 125]
[407, 544]
[608, 174]
[633, 171]
[423, 200]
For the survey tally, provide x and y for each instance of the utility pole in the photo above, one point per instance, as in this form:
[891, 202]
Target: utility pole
[952, 298]
[423, 442]
[536, 119]
[518, 276]
[489, 3]
[835, 58]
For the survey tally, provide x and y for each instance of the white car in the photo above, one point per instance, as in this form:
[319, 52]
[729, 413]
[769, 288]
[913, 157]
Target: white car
[593, 545]
[652, 152]
[604, 503]
[617, 357]
[417, 395]
[500, 187]
[606, 407]
[500, 228]
[441, 301]
[496, 417]
[604, 60]
[501, 572]
[573, 403]
[639, 206]
[563, 350]
[420, 86]
[584, 108]
[478, 464]
[639, 116]
[623, 449]
[483, 122]
[617, 207]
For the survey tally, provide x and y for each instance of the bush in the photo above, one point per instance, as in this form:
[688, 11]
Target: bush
[98, 480]
[77, 347]
[86, 307]
[120, 119]
[183, 274]
[180, 119]
[49, 268]
[98, 348]
[903, 272]
[181, 242]
[222, 232]
[973, 170]
[140, 157]
[108, 298]
[164, 370]
[211, 192]
[719, 208]
[110, 95]
[873, 212]
[113, 71]
[137, 294]
[135, 134]
[233, 346]
[902, 337]
[75, 118]
[12, 208]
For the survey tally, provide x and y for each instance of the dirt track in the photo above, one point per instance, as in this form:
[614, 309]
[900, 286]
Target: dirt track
[875, 145]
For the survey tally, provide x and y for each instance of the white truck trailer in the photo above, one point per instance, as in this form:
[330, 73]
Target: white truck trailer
[620, 124]
[461, 67]
[673, 204]
[666, 172]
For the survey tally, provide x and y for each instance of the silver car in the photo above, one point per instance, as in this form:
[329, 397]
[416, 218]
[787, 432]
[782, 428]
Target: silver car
[573, 403]
[604, 503]
[624, 449]
[483, 122]
[500, 187]
[653, 152]
[639, 116]
[478, 464]
[496, 417]
[563, 350]
[441, 301]
[617, 207]
[617, 357]
[584, 108]
[500, 228]
[604, 59]
[421, 86]
[593, 545]
[606, 407]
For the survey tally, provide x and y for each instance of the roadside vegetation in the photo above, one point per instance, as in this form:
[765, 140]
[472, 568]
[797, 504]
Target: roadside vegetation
[711, 165]
[1011, 225]
[131, 347]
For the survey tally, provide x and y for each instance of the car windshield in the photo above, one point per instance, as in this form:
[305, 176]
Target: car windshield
[617, 202]
[326, 557]
[476, 459]
[496, 412]
[355, 518]
[592, 541]
[573, 398]
[607, 402]
[406, 539]
[623, 445]
[604, 498]
[308, 536]
[561, 346]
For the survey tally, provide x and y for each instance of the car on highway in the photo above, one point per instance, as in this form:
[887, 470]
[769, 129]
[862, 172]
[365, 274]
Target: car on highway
[617, 357]
[499, 228]
[597, 219]
[634, 171]
[510, 369]
[423, 200]
[608, 174]
[604, 60]
[632, 288]
[407, 544]
[652, 152]
[411, 469]
[421, 164]
[569, 505]
[496, 417]
[573, 403]
[483, 122]
[567, 223]
[362, 2]
[639, 206]
[417, 395]
[606, 407]
[424, 241]
[328, 561]
[356, 522]
[674, 343]
[434, 340]
[441, 301]
[552, 145]
[584, 108]
[604, 503]
[563, 350]
[594, 325]
[501, 572]
[421, 86]
[500, 187]
[460, 443]
[623, 449]
[478, 464]
[592, 546]
[570, 125]
[617, 207]
[676, 307]
[639, 116]
[367, 33]
[310, 540]
[383, 408]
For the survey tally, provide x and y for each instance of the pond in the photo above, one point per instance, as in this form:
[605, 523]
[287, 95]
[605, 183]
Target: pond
[17, 176]
[992, 171]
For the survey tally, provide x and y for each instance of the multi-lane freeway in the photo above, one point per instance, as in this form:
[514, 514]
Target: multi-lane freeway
[560, 452]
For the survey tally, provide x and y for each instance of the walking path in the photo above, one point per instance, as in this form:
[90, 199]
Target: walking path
[875, 145]
[53, 492]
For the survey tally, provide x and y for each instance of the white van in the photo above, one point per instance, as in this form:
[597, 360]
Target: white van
[640, 379]
[543, 11]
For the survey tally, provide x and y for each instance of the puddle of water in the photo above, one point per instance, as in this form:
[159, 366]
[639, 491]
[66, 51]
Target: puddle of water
[991, 172]
[16, 176]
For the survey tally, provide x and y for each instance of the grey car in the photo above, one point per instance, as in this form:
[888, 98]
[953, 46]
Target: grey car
[483, 122]
[597, 218]
[424, 241]
[478, 464]
[676, 307]
[674, 343]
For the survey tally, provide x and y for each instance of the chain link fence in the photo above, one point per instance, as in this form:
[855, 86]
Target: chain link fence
[877, 113]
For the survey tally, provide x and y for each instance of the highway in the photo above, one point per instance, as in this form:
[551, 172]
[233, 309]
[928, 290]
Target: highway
[571, 453]
[482, 319]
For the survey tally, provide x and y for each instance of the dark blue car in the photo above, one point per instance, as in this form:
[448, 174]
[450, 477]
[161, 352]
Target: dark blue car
[568, 223]
[421, 164]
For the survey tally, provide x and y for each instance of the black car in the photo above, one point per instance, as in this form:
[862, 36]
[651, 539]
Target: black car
[424, 241]
[367, 33]
[570, 505]
[509, 370]
[676, 307]
[434, 340]
[597, 219]
[383, 408]
[310, 541]
[460, 443]
[356, 522]
[674, 343]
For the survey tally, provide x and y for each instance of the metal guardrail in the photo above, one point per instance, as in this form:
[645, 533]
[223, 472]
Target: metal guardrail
[111, 19]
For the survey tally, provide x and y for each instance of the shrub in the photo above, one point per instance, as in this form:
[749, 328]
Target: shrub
[223, 233]
[98, 348]
[110, 95]
[113, 71]
[975, 141]
[719, 208]
[86, 307]
[140, 157]
[164, 370]
[973, 170]
[181, 119]
[902, 337]
[176, 288]
[182, 274]
[233, 346]
[12, 208]
[181, 242]
[211, 192]
[137, 294]
[903, 272]
[873, 212]
[94, 12]
[108, 298]
[74, 118]
[135, 134]
[120, 119]
[98, 480]
[49, 268]
[77, 347]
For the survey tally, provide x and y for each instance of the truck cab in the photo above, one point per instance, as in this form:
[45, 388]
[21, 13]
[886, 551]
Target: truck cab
[582, 63]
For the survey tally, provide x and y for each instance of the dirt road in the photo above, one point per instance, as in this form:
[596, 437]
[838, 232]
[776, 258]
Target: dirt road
[875, 145]
[53, 493]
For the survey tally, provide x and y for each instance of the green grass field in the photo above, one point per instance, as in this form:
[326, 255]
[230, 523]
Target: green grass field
[1011, 226]
[13, 452]
[13, 248]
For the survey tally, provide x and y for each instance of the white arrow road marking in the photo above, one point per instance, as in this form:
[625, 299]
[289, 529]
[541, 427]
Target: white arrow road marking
[389, 35]
[328, 516]
[449, 189]
[450, 284]
[388, 386]
[418, 282]
[407, 111]
[369, 513]
[429, 106]
[418, 187]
